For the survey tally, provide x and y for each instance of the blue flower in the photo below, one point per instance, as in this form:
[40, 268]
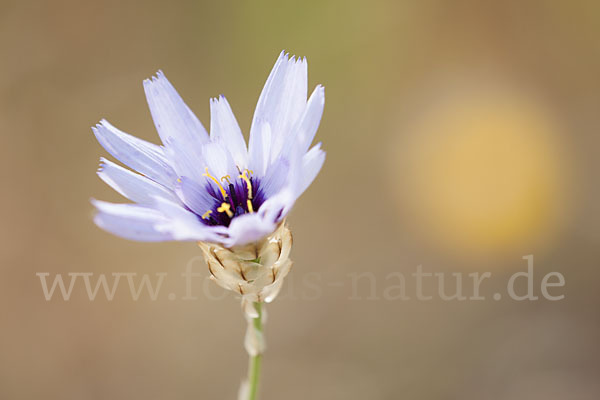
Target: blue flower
[214, 188]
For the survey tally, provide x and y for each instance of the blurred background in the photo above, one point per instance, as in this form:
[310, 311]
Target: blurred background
[461, 136]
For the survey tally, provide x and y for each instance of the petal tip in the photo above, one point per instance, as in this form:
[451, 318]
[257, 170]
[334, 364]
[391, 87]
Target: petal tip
[156, 78]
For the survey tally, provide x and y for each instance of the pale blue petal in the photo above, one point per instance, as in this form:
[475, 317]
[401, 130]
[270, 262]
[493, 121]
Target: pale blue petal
[259, 149]
[185, 160]
[257, 146]
[172, 117]
[248, 228]
[216, 157]
[285, 114]
[311, 165]
[278, 205]
[144, 157]
[224, 128]
[130, 221]
[133, 186]
[194, 195]
[306, 128]
[295, 175]
[275, 178]
[184, 225]
[280, 104]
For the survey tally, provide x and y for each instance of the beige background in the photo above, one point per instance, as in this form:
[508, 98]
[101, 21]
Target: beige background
[461, 136]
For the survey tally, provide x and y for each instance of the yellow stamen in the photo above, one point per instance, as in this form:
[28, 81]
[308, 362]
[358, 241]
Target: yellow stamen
[250, 208]
[226, 208]
[248, 184]
[206, 214]
[226, 177]
[223, 192]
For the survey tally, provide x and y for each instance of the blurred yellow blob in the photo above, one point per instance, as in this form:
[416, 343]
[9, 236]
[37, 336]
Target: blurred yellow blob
[483, 171]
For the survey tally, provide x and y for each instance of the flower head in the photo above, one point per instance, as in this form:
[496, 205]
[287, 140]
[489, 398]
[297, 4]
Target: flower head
[214, 188]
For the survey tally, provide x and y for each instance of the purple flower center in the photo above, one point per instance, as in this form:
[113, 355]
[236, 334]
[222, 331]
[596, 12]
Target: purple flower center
[232, 198]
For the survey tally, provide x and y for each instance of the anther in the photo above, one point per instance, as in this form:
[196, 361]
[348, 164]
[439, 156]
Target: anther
[248, 183]
[226, 177]
[226, 208]
[232, 193]
[223, 192]
[206, 214]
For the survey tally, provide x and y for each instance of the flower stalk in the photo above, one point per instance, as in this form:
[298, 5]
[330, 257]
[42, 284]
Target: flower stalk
[256, 359]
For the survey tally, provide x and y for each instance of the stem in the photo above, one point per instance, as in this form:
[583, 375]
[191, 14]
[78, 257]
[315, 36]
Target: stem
[255, 361]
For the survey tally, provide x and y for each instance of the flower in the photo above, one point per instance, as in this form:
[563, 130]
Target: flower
[213, 188]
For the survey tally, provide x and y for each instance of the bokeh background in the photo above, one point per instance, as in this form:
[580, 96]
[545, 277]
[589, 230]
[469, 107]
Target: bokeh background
[461, 136]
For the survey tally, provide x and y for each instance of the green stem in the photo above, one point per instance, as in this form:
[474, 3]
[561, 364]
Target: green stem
[255, 361]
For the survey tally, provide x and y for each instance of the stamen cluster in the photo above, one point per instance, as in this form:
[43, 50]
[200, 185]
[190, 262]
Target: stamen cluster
[233, 197]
